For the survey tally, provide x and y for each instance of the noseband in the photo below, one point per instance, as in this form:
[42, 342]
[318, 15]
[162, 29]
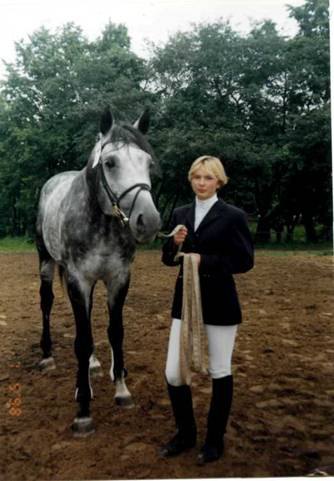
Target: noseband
[115, 200]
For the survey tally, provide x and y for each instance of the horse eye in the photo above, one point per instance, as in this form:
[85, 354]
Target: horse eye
[110, 163]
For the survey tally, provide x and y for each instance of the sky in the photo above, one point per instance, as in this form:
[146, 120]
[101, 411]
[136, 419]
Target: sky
[152, 20]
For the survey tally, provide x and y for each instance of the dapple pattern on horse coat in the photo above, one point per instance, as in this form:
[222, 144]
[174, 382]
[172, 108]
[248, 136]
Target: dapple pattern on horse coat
[77, 229]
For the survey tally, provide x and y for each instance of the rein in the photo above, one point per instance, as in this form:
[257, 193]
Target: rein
[192, 331]
[192, 335]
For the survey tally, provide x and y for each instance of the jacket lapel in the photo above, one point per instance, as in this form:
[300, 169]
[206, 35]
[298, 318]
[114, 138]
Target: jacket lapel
[214, 213]
[190, 217]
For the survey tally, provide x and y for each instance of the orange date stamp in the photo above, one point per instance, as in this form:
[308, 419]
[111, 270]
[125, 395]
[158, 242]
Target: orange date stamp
[14, 404]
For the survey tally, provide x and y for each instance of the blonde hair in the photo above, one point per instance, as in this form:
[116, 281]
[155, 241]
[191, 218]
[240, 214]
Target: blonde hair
[212, 165]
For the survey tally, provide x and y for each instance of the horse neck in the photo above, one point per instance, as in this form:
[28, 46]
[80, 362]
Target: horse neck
[90, 183]
[109, 224]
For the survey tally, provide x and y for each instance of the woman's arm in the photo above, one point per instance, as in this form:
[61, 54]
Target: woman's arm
[170, 248]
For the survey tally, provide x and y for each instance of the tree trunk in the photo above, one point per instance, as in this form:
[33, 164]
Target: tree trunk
[278, 235]
[289, 233]
[262, 230]
[308, 223]
[291, 222]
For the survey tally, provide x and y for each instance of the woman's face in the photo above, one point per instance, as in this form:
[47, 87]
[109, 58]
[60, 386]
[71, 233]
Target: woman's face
[204, 184]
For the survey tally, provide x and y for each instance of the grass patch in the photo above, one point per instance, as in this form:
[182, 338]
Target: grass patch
[295, 248]
[17, 244]
[24, 244]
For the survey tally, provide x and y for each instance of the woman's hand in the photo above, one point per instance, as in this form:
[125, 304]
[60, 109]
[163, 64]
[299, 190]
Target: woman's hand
[180, 236]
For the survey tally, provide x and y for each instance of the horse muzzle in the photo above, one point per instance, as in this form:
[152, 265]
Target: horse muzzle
[145, 224]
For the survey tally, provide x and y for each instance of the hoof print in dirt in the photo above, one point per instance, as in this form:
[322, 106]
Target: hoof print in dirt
[125, 402]
[47, 364]
[83, 427]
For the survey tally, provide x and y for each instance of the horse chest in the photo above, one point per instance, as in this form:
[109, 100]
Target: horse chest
[99, 263]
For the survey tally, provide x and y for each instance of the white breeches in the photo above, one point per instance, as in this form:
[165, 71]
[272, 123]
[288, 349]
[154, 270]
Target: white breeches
[220, 345]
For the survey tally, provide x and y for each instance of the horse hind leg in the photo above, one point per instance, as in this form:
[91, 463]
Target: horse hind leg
[95, 369]
[47, 268]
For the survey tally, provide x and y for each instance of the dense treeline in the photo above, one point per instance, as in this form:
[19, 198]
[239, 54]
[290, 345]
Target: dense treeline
[261, 102]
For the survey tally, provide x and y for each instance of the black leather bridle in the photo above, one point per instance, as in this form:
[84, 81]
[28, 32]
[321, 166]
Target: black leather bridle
[114, 199]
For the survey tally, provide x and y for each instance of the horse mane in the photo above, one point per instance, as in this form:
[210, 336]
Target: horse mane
[124, 132]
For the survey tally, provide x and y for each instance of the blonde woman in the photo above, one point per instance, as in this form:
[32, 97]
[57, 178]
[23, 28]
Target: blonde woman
[217, 233]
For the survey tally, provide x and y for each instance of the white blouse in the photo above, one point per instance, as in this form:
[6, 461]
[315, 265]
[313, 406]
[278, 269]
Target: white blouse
[202, 207]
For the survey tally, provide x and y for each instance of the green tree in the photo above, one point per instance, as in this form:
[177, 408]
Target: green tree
[261, 102]
[52, 100]
[309, 137]
[214, 88]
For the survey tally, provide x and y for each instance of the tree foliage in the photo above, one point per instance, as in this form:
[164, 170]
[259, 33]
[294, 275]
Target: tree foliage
[51, 103]
[260, 102]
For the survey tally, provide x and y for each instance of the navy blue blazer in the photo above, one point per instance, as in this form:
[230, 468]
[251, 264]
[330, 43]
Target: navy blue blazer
[225, 244]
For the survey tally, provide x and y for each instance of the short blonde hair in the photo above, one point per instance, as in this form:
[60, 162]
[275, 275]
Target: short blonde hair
[212, 165]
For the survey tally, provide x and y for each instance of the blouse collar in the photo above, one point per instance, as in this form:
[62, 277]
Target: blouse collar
[206, 203]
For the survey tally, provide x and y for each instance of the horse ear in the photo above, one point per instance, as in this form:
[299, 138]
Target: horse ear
[142, 124]
[106, 121]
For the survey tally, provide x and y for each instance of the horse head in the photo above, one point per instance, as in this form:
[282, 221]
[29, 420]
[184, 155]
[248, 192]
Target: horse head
[119, 171]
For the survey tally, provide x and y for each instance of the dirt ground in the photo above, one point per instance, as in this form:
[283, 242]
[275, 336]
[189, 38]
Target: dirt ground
[282, 417]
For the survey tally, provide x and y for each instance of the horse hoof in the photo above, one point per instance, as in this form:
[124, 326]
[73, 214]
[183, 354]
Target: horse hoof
[83, 427]
[124, 402]
[47, 364]
[96, 371]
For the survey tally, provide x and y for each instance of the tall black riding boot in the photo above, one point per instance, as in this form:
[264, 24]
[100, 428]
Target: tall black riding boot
[221, 402]
[185, 438]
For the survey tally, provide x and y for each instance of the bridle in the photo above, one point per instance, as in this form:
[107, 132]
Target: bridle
[114, 199]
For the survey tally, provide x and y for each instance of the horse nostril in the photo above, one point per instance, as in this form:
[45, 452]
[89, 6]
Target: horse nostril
[140, 220]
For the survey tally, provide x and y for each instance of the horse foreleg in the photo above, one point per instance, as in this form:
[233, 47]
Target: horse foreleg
[80, 298]
[116, 334]
[46, 296]
[95, 368]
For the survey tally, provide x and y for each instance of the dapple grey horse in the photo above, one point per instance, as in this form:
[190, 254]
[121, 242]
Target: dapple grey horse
[88, 223]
